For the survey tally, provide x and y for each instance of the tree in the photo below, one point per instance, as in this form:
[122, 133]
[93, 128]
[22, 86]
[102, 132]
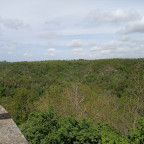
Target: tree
[41, 126]
[137, 136]
[23, 104]
[47, 128]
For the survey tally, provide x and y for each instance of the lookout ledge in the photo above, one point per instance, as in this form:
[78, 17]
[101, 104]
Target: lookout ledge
[9, 132]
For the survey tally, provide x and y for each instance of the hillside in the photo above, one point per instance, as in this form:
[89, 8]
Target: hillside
[110, 90]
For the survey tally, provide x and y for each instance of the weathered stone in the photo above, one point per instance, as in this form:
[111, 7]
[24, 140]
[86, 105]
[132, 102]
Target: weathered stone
[9, 132]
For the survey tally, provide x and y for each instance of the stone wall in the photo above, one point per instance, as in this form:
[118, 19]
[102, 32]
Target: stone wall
[9, 132]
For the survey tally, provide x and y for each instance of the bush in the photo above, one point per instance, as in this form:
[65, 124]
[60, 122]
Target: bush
[137, 136]
[47, 128]
[41, 125]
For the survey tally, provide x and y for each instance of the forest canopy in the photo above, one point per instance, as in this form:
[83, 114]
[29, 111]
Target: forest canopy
[106, 95]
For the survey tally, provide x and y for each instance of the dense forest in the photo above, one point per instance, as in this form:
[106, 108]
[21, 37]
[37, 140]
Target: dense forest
[77, 101]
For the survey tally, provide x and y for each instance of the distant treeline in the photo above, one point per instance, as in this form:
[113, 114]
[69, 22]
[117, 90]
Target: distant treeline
[110, 90]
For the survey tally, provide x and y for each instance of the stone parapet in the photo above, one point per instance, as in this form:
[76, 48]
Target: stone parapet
[9, 132]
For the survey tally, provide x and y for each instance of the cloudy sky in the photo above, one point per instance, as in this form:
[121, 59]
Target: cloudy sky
[33, 30]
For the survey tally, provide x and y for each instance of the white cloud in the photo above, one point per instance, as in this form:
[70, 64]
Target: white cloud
[75, 43]
[134, 27]
[13, 23]
[78, 51]
[106, 51]
[112, 45]
[52, 52]
[50, 35]
[7, 45]
[116, 16]
[120, 15]
[27, 55]
[92, 44]
[125, 38]
[62, 26]
[10, 53]
[52, 23]
[94, 49]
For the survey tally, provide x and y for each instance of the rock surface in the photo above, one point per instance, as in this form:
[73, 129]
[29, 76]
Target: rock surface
[9, 132]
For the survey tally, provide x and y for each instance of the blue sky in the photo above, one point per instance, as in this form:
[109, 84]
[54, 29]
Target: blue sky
[32, 30]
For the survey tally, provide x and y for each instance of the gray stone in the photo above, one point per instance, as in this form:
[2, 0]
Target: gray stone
[9, 132]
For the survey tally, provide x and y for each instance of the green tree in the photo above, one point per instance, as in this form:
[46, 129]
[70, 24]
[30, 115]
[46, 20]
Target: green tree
[47, 128]
[23, 104]
[40, 126]
[137, 136]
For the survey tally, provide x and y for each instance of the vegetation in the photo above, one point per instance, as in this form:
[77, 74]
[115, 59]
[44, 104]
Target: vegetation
[105, 91]
[46, 127]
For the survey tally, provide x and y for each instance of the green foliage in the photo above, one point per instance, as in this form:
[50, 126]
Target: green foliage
[46, 128]
[110, 90]
[77, 131]
[40, 126]
[23, 100]
[137, 136]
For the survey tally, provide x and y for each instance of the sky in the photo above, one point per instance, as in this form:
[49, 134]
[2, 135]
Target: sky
[35, 30]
